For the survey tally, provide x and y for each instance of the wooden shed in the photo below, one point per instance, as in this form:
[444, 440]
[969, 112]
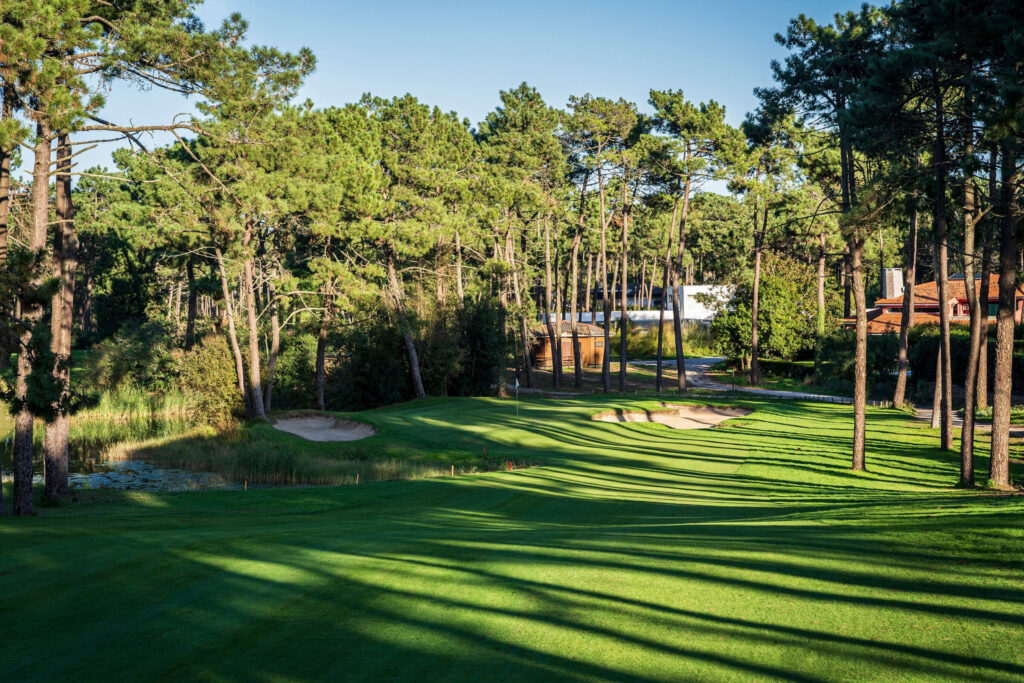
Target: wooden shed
[591, 344]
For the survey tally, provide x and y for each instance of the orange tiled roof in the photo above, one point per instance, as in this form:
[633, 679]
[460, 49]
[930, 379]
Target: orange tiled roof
[890, 322]
[927, 293]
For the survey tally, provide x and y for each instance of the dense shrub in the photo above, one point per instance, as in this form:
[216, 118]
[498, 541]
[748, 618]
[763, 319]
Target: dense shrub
[295, 373]
[136, 357]
[207, 378]
[787, 312]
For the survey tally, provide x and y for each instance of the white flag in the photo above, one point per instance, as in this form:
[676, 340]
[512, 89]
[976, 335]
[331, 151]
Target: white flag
[517, 384]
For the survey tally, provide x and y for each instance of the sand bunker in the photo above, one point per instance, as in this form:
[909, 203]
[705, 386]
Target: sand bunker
[318, 428]
[676, 416]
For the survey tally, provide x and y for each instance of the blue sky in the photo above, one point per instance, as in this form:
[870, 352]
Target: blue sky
[458, 55]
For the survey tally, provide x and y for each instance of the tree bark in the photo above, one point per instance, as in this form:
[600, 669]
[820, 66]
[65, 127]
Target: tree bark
[623, 297]
[907, 310]
[942, 277]
[236, 351]
[403, 323]
[820, 322]
[999, 469]
[554, 340]
[321, 350]
[30, 314]
[605, 303]
[677, 305]
[664, 287]
[275, 349]
[755, 363]
[971, 374]
[190, 314]
[860, 363]
[458, 267]
[255, 369]
[936, 421]
[986, 276]
[5, 194]
[65, 263]
[574, 257]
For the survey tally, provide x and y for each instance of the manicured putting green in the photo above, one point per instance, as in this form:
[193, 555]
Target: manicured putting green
[633, 552]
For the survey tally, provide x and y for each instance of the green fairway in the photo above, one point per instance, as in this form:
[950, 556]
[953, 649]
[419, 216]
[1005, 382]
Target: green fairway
[631, 552]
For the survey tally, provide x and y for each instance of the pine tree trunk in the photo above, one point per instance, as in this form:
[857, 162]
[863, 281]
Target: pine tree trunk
[971, 374]
[847, 279]
[942, 277]
[554, 341]
[999, 469]
[190, 314]
[986, 275]
[820, 326]
[255, 369]
[574, 254]
[755, 365]
[623, 297]
[524, 332]
[659, 383]
[860, 363]
[458, 267]
[677, 305]
[321, 350]
[605, 303]
[936, 421]
[5, 205]
[907, 310]
[403, 323]
[65, 263]
[236, 351]
[30, 314]
[275, 350]
[588, 294]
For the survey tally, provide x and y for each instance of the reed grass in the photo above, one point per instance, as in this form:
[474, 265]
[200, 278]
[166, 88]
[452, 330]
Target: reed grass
[243, 456]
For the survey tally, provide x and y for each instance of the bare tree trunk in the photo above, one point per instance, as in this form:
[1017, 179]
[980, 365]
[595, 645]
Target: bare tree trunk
[236, 351]
[860, 363]
[605, 303]
[664, 288]
[403, 323]
[5, 195]
[65, 263]
[847, 279]
[677, 305]
[999, 469]
[458, 267]
[574, 254]
[5, 205]
[623, 297]
[986, 275]
[190, 314]
[937, 393]
[275, 349]
[524, 333]
[907, 311]
[942, 278]
[755, 365]
[553, 340]
[588, 295]
[321, 349]
[255, 369]
[971, 375]
[30, 314]
[820, 327]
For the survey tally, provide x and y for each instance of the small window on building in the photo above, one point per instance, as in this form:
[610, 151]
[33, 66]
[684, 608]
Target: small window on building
[600, 343]
[993, 309]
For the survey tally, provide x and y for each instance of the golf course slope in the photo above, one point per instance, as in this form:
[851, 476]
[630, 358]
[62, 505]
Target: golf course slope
[631, 551]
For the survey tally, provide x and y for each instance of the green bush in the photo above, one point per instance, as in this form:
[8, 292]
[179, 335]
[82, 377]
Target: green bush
[207, 378]
[136, 357]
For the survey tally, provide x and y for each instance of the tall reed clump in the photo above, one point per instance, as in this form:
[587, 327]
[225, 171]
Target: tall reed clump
[242, 457]
[643, 342]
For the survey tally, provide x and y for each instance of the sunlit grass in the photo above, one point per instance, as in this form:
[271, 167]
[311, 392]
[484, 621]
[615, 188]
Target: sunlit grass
[631, 552]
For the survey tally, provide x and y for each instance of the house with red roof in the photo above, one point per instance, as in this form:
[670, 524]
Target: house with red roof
[885, 317]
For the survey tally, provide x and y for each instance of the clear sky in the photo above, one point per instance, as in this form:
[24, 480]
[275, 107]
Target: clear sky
[458, 55]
